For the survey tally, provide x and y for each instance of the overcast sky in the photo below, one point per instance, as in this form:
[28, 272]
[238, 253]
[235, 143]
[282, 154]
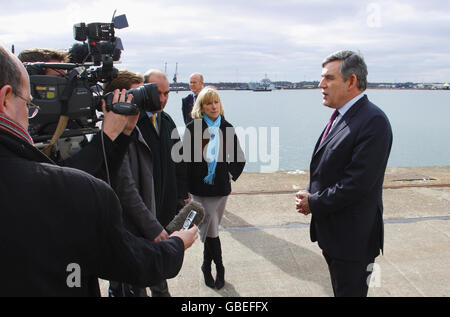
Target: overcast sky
[242, 40]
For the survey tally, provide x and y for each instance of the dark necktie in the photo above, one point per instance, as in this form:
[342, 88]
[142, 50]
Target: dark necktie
[327, 129]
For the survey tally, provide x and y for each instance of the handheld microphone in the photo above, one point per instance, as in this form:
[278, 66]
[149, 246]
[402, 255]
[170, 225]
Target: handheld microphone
[192, 213]
[189, 219]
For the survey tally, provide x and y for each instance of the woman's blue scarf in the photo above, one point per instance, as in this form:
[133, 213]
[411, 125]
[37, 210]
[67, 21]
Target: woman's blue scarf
[212, 152]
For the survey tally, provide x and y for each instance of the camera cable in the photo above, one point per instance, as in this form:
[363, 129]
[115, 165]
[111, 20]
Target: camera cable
[104, 156]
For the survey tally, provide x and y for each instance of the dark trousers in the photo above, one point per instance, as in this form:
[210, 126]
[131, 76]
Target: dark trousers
[349, 278]
[118, 289]
[160, 290]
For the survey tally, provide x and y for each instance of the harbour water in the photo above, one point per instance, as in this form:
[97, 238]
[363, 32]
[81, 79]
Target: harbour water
[287, 124]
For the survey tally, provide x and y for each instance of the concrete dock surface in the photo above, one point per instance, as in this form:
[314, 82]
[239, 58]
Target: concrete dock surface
[267, 251]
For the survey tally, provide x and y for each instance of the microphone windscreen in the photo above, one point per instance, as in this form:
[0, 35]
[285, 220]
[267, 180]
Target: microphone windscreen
[178, 221]
[78, 53]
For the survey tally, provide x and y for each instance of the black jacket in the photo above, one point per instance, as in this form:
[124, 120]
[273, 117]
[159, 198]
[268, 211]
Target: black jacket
[91, 158]
[54, 217]
[231, 158]
[169, 176]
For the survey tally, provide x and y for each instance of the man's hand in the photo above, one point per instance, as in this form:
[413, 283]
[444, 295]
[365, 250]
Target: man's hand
[113, 123]
[131, 124]
[187, 200]
[301, 202]
[188, 236]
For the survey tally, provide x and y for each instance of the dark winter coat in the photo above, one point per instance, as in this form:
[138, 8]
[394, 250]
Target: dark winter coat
[91, 158]
[229, 166]
[134, 186]
[169, 176]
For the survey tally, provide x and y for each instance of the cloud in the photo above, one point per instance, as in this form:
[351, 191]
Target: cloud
[244, 40]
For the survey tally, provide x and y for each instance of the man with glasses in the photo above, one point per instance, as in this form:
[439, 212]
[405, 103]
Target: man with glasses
[32, 108]
[60, 228]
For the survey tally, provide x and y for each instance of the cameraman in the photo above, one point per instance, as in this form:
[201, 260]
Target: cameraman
[134, 186]
[44, 55]
[116, 129]
[60, 228]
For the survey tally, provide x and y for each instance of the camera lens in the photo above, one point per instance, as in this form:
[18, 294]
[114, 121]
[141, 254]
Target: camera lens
[146, 97]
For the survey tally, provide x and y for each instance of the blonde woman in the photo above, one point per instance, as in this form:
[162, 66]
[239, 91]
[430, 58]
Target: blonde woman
[213, 157]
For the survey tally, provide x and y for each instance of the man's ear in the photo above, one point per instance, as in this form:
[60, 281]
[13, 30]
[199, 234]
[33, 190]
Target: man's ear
[5, 94]
[352, 82]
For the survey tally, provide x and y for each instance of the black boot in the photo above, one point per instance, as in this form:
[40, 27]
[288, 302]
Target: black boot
[206, 266]
[217, 257]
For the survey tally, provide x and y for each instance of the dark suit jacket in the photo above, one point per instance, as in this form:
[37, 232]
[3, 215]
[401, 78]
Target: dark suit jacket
[347, 173]
[187, 105]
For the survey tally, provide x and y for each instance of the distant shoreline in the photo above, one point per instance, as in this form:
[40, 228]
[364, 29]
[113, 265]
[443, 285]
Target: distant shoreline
[305, 88]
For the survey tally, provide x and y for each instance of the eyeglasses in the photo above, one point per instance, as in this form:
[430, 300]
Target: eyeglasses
[32, 108]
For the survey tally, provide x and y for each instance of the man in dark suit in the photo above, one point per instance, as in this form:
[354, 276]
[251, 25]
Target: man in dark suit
[196, 85]
[347, 170]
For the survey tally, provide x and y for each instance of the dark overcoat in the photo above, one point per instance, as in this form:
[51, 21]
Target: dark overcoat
[230, 165]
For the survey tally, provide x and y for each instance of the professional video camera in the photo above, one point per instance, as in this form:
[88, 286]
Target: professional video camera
[78, 95]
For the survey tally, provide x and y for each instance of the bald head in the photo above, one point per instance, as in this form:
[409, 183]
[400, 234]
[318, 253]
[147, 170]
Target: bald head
[14, 88]
[152, 75]
[160, 78]
[10, 73]
[196, 83]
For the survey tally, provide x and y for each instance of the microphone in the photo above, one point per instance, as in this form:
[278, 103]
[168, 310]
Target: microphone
[192, 213]
[78, 53]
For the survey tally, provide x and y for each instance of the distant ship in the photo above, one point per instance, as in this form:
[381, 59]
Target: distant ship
[262, 89]
[263, 85]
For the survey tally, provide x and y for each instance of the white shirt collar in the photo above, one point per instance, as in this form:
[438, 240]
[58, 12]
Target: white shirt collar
[151, 114]
[342, 110]
[349, 104]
